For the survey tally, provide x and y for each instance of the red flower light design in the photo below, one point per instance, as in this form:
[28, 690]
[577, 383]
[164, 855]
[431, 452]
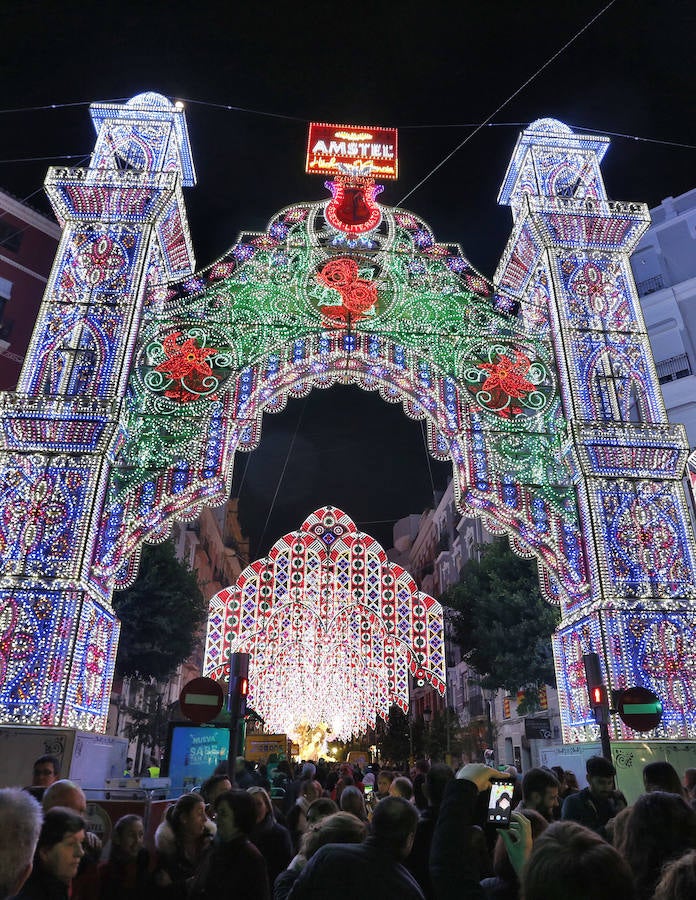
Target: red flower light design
[357, 295]
[506, 383]
[338, 273]
[187, 365]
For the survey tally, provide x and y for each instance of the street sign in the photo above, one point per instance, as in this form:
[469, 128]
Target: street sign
[639, 708]
[538, 729]
[201, 700]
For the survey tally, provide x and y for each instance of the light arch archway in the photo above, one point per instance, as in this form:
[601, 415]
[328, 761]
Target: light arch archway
[93, 475]
[333, 629]
[231, 344]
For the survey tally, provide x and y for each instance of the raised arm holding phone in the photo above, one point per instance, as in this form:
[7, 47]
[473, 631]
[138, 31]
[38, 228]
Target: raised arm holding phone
[453, 860]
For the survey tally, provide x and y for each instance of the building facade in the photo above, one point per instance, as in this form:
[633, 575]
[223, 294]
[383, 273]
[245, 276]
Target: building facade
[28, 243]
[664, 266]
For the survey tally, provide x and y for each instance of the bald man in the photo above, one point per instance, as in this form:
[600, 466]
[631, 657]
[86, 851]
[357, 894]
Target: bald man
[65, 793]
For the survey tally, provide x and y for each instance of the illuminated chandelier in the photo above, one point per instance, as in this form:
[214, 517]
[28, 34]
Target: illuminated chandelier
[332, 628]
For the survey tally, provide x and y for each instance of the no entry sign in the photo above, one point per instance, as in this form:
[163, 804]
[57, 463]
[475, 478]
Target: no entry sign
[201, 700]
[639, 708]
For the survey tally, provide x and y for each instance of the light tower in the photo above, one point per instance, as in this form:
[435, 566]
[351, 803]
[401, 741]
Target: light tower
[124, 225]
[568, 263]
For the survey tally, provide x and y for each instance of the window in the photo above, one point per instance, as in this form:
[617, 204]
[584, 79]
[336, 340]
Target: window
[647, 271]
[10, 236]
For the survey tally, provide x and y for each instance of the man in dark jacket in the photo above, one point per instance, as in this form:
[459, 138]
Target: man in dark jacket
[417, 862]
[594, 806]
[372, 870]
[454, 861]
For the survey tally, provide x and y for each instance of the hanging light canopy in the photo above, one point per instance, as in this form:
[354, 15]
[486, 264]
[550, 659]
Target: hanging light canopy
[333, 629]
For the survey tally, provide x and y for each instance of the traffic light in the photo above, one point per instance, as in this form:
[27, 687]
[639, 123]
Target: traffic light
[239, 685]
[598, 696]
[596, 689]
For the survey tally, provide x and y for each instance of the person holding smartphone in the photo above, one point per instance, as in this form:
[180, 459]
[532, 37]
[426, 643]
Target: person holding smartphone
[454, 871]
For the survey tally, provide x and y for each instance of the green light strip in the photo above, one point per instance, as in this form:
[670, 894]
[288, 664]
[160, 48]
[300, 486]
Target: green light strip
[645, 708]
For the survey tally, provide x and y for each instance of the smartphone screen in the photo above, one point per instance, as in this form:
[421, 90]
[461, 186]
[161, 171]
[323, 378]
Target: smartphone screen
[500, 803]
[368, 789]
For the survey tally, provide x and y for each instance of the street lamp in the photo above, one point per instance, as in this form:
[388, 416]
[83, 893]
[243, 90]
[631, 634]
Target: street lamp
[427, 718]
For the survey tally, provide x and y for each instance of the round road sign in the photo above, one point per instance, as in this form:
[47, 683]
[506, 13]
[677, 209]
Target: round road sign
[201, 700]
[639, 708]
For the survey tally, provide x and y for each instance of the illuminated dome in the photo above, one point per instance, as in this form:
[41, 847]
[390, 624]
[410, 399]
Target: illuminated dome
[549, 126]
[150, 98]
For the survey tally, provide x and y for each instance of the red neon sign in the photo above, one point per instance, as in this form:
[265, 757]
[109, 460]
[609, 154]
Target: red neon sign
[355, 149]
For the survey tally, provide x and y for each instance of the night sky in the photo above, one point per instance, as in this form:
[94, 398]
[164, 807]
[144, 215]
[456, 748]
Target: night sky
[431, 69]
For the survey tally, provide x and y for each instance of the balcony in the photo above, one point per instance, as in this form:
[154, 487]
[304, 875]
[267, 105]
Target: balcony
[673, 368]
[650, 285]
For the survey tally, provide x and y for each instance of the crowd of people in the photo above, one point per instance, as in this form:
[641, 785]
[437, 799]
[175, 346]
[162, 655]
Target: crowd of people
[335, 832]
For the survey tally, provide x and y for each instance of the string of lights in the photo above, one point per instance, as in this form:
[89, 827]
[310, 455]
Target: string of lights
[507, 101]
[426, 126]
[31, 159]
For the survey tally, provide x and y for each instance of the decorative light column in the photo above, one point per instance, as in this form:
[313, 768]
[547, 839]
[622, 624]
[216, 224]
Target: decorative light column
[568, 264]
[124, 223]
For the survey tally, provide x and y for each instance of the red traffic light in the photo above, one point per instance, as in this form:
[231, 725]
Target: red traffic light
[599, 696]
[239, 685]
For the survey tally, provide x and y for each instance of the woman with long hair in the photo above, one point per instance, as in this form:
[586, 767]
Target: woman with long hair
[182, 840]
[660, 828]
[125, 875]
[296, 819]
[678, 880]
[234, 869]
[662, 776]
[272, 838]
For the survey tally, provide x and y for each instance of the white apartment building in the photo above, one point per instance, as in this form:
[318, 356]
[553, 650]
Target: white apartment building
[664, 266]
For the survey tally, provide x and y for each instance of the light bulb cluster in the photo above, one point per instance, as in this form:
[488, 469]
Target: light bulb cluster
[333, 629]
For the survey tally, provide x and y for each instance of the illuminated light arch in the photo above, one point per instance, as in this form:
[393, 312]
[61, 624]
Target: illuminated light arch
[429, 335]
[333, 629]
[451, 436]
[499, 372]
